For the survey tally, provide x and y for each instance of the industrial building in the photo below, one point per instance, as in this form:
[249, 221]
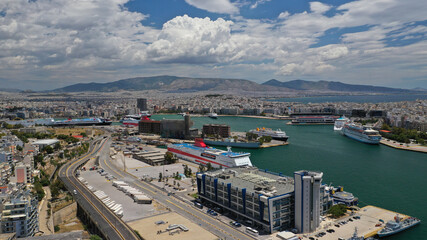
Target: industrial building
[149, 126]
[169, 128]
[19, 214]
[220, 130]
[262, 199]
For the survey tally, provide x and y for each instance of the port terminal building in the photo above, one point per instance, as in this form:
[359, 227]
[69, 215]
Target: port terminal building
[266, 200]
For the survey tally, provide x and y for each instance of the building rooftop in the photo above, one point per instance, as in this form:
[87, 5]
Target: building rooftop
[255, 180]
[46, 142]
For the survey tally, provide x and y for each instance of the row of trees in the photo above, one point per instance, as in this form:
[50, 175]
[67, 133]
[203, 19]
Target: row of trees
[404, 135]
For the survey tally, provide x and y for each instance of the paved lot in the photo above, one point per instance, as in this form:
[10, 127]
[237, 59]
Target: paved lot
[148, 229]
[131, 210]
[369, 217]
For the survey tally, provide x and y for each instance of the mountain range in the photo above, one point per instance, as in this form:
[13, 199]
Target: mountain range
[186, 84]
[331, 86]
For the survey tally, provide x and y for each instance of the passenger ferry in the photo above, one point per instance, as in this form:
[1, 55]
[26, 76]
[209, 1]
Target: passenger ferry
[202, 154]
[129, 121]
[314, 120]
[274, 134]
[80, 122]
[139, 116]
[361, 133]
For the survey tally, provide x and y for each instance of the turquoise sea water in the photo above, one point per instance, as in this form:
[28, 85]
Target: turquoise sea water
[377, 175]
[357, 99]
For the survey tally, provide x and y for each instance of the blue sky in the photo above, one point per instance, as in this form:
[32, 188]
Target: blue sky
[49, 44]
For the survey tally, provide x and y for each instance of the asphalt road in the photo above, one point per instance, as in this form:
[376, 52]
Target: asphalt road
[224, 231]
[109, 224]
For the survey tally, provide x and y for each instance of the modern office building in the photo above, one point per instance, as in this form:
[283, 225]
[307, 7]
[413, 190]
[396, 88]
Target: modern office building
[141, 104]
[19, 214]
[307, 200]
[221, 130]
[262, 199]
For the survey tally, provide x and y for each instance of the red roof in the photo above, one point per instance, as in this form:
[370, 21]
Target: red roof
[386, 131]
[77, 136]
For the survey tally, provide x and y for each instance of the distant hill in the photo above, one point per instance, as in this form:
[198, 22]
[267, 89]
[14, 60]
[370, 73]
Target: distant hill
[331, 86]
[420, 89]
[10, 90]
[171, 83]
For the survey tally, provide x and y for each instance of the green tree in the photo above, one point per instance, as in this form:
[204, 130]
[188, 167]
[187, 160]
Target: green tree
[48, 149]
[170, 158]
[338, 210]
[209, 166]
[202, 168]
[95, 237]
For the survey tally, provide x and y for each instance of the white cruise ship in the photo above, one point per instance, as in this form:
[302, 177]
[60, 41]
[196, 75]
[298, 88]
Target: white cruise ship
[274, 134]
[202, 154]
[339, 123]
[361, 133]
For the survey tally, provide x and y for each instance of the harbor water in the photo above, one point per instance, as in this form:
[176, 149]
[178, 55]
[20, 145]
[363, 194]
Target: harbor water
[378, 175]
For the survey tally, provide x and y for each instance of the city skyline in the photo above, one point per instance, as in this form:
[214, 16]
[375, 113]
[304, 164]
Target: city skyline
[47, 45]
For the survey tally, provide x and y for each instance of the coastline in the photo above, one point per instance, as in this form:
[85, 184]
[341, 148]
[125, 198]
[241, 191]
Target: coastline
[246, 116]
[403, 146]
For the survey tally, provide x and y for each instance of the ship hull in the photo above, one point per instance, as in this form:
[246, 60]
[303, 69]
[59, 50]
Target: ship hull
[360, 138]
[81, 124]
[196, 159]
[233, 144]
[397, 231]
[203, 155]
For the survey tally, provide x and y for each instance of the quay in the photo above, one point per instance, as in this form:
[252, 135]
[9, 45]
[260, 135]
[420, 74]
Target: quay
[368, 221]
[273, 143]
[403, 146]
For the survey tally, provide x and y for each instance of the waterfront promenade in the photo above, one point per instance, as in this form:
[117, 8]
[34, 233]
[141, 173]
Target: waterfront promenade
[403, 146]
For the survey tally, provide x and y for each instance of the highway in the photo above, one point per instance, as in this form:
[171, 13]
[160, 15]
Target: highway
[108, 223]
[224, 231]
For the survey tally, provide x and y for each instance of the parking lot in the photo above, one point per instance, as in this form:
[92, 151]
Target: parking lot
[131, 210]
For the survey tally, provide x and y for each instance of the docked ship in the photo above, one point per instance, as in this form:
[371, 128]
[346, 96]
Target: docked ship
[213, 115]
[314, 120]
[355, 236]
[129, 121]
[80, 122]
[202, 154]
[230, 142]
[274, 134]
[339, 123]
[139, 116]
[393, 227]
[361, 133]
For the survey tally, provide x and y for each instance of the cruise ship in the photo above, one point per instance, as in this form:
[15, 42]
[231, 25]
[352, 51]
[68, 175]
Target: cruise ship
[393, 227]
[202, 154]
[339, 123]
[314, 120]
[361, 133]
[274, 134]
[80, 122]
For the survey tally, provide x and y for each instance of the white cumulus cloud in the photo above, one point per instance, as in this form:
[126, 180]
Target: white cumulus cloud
[215, 6]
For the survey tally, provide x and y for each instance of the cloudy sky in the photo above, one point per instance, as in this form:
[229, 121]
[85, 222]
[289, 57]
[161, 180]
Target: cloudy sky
[45, 44]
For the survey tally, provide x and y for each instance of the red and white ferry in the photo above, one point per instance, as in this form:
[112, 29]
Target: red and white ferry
[202, 154]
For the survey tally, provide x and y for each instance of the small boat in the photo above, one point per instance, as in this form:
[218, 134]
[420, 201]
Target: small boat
[213, 115]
